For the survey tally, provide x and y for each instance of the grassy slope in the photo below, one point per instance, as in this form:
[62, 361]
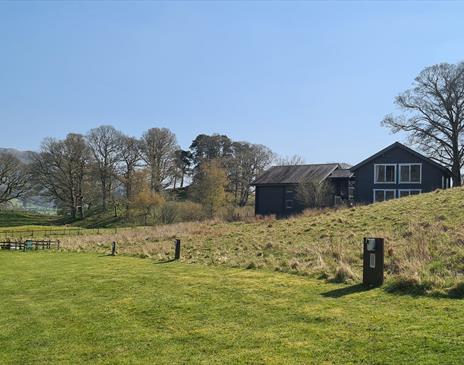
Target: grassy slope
[12, 218]
[62, 308]
[424, 241]
[21, 220]
[21, 224]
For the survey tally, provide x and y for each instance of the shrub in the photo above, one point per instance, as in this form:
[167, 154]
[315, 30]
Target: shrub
[149, 203]
[314, 194]
[169, 212]
[232, 213]
[189, 211]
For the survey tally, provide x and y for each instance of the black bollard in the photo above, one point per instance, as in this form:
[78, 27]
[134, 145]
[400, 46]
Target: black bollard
[177, 254]
[113, 249]
[373, 258]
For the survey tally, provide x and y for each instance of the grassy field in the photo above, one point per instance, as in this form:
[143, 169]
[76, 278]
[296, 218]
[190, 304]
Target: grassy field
[75, 308]
[424, 242]
[12, 218]
[18, 220]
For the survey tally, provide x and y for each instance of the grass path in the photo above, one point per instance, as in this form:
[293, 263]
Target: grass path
[73, 308]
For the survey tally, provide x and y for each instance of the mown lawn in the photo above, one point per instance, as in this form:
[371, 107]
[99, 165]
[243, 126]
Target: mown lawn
[72, 308]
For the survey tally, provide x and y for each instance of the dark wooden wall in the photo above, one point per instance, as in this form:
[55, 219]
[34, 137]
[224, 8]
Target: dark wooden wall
[271, 199]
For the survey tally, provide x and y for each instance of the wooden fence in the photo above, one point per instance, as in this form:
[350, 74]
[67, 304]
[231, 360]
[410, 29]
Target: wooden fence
[55, 232]
[29, 245]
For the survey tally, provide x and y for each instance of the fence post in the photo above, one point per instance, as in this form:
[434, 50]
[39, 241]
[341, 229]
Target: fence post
[113, 249]
[177, 253]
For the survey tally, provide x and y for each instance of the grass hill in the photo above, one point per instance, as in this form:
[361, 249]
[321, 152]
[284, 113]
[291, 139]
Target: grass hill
[424, 242]
[17, 218]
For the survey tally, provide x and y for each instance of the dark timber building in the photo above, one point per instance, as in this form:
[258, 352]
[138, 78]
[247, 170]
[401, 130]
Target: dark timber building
[391, 173]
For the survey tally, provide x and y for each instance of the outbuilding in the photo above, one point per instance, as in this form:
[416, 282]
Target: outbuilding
[276, 188]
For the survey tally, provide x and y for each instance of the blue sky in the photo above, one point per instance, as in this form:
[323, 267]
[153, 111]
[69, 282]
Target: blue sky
[307, 78]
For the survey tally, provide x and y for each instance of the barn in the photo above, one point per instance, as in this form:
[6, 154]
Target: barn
[276, 187]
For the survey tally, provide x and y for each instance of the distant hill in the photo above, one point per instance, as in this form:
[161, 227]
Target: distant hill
[30, 202]
[23, 156]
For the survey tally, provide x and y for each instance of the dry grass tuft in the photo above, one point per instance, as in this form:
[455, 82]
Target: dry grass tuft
[344, 274]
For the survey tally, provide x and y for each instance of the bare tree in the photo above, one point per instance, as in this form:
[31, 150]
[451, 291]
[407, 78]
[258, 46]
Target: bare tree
[104, 143]
[158, 148]
[59, 169]
[130, 156]
[314, 194]
[434, 115]
[247, 163]
[13, 178]
[289, 160]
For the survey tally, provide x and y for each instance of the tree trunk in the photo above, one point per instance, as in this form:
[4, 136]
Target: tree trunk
[456, 172]
[73, 212]
[104, 197]
[456, 167]
[128, 190]
[80, 212]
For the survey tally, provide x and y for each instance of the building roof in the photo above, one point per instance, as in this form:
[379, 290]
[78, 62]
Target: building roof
[294, 174]
[341, 174]
[402, 146]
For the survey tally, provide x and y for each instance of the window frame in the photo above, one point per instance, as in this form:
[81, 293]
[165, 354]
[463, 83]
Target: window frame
[384, 195]
[287, 206]
[410, 164]
[289, 191]
[409, 191]
[385, 182]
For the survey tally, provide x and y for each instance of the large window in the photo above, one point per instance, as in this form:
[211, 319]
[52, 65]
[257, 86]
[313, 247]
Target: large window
[407, 192]
[410, 173]
[385, 173]
[381, 195]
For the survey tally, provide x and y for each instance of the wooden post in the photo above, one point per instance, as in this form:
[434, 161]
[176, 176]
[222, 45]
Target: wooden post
[177, 253]
[113, 249]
